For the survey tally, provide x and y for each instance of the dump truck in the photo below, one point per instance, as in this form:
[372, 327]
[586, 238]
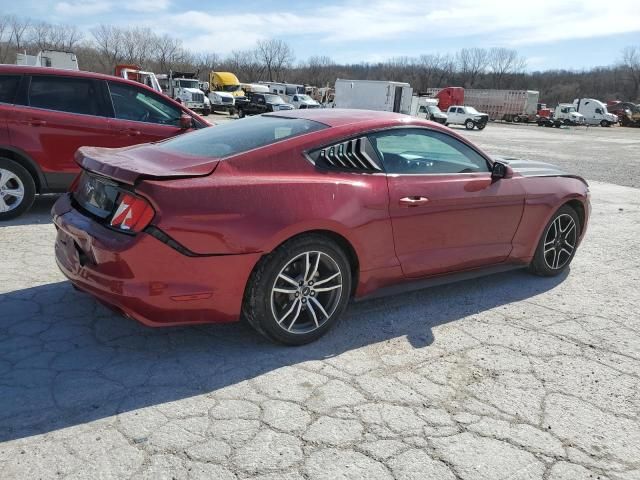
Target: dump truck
[135, 73]
[184, 88]
[385, 96]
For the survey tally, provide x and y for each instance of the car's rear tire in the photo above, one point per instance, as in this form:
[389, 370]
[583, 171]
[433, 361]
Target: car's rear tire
[17, 189]
[298, 292]
[558, 243]
[469, 124]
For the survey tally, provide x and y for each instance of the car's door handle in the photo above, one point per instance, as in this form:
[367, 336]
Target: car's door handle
[413, 201]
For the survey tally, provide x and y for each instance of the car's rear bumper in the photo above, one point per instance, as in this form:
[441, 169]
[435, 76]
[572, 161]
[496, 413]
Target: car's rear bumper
[144, 278]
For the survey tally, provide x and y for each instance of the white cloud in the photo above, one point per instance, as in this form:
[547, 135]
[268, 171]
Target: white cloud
[416, 23]
[147, 6]
[73, 9]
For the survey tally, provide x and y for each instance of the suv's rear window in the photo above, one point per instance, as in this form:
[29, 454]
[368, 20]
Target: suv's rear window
[240, 136]
[64, 94]
[8, 87]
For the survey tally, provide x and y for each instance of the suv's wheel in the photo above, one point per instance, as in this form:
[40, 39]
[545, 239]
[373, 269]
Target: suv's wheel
[558, 243]
[299, 290]
[17, 189]
[469, 124]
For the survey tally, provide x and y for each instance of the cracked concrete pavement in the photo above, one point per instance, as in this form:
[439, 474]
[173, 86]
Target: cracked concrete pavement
[507, 377]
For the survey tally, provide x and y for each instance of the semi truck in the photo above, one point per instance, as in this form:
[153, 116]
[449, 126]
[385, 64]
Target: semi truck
[386, 96]
[595, 112]
[184, 88]
[226, 91]
[49, 58]
[563, 114]
[447, 96]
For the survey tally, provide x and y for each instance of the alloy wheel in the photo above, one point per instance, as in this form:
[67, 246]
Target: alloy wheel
[560, 241]
[306, 292]
[11, 190]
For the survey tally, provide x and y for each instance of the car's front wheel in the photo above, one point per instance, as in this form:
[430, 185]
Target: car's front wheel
[558, 244]
[297, 292]
[469, 124]
[17, 189]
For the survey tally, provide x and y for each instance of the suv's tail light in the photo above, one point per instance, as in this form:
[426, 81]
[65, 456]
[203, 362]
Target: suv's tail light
[133, 213]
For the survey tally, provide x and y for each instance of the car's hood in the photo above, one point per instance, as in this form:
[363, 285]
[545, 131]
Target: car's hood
[532, 168]
[439, 115]
[131, 164]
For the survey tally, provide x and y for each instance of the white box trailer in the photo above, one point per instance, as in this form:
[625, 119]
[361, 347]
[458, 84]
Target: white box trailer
[509, 105]
[378, 95]
[49, 58]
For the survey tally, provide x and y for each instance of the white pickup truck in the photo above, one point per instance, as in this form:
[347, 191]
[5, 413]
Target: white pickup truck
[467, 116]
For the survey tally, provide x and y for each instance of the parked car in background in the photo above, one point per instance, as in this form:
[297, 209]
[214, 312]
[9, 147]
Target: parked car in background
[282, 218]
[467, 116]
[47, 114]
[263, 103]
[301, 100]
[595, 112]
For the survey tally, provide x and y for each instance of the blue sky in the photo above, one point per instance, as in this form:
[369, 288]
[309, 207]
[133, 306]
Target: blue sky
[548, 33]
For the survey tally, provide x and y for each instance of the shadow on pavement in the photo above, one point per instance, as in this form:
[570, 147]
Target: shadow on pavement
[66, 360]
[39, 213]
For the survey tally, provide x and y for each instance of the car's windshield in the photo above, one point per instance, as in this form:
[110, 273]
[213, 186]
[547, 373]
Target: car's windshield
[188, 83]
[472, 110]
[231, 88]
[305, 98]
[239, 136]
[273, 99]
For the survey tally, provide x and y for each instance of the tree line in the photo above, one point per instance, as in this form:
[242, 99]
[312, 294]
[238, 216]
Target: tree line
[106, 45]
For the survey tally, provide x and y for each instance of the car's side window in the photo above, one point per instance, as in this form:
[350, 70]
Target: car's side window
[460, 110]
[132, 103]
[421, 151]
[64, 94]
[8, 88]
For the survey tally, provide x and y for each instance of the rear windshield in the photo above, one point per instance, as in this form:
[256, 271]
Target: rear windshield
[239, 136]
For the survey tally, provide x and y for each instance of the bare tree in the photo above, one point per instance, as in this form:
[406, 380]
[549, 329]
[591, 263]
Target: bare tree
[246, 65]
[19, 28]
[5, 37]
[320, 70]
[169, 52]
[502, 62]
[471, 63]
[631, 64]
[109, 43]
[275, 55]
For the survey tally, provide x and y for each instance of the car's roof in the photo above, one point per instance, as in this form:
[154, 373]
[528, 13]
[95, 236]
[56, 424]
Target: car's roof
[32, 70]
[338, 117]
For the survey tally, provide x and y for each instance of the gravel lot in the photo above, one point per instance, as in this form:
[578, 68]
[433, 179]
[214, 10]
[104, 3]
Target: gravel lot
[507, 377]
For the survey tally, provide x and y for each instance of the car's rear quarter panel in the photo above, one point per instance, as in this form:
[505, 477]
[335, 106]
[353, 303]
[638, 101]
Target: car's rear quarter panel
[256, 201]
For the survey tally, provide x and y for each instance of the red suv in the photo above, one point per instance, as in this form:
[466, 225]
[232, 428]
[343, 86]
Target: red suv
[47, 114]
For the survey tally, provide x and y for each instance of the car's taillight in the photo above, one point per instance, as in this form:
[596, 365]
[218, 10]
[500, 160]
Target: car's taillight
[133, 213]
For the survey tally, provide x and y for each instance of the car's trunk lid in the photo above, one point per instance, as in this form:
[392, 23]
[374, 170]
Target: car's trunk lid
[131, 164]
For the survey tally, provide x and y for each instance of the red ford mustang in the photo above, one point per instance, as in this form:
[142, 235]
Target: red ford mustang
[282, 218]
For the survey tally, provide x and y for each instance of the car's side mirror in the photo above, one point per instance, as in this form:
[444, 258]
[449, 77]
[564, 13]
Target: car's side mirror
[186, 122]
[500, 170]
